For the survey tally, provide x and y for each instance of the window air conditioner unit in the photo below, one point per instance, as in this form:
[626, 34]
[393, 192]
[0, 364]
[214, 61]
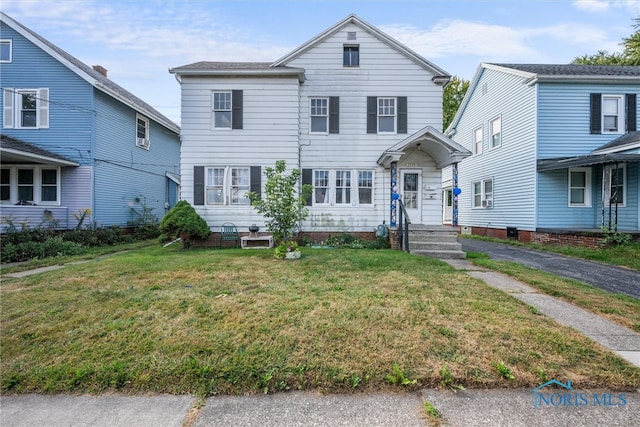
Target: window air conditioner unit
[487, 203]
[142, 142]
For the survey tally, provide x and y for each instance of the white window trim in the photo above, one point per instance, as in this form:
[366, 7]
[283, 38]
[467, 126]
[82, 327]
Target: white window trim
[213, 110]
[395, 115]
[37, 184]
[477, 152]
[621, 114]
[227, 186]
[485, 202]
[491, 133]
[350, 65]
[10, 42]
[606, 190]
[355, 188]
[587, 189]
[326, 116]
[143, 142]
[12, 105]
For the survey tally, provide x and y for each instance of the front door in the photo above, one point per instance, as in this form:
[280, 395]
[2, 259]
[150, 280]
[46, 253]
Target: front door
[411, 193]
[447, 206]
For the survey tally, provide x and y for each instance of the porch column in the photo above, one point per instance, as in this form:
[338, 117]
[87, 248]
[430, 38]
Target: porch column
[394, 194]
[455, 192]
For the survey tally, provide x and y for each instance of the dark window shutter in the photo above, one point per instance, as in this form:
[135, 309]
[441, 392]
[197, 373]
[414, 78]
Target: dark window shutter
[596, 113]
[632, 113]
[334, 114]
[256, 183]
[198, 185]
[372, 114]
[236, 109]
[402, 114]
[307, 178]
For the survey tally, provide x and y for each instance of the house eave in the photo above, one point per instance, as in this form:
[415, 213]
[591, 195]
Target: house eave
[544, 165]
[12, 156]
[269, 72]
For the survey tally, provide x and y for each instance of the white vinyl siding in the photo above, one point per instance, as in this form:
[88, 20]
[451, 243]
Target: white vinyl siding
[580, 187]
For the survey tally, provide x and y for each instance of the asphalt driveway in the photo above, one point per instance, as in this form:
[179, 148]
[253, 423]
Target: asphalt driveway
[613, 279]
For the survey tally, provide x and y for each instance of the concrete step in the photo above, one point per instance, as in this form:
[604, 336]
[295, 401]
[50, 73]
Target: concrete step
[432, 237]
[434, 245]
[440, 254]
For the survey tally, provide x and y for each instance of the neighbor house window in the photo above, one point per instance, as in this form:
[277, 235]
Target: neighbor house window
[319, 113]
[321, 187]
[615, 188]
[496, 132]
[477, 141]
[240, 184]
[365, 187]
[5, 50]
[482, 195]
[222, 110]
[386, 115]
[26, 108]
[351, 56]
[611, 113]
[343, 187]
[579, 187]
[5, 185]
[142, 131]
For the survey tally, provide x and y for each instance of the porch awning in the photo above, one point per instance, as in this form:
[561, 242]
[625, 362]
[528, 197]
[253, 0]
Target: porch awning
[16, 151]
[442, 149]
[587, 160]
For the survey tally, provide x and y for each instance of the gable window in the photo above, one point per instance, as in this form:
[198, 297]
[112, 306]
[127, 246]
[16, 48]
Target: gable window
[365, 187]
[343, 187]
[495, 127]
[477, 141]
[580, 187]
[616, 114]
[26, 108]
[615, 177]
[482, 194]
[319, 113]
[351, 56]
[6, 50]
[321, 187]
[142, 131]
[386, 115]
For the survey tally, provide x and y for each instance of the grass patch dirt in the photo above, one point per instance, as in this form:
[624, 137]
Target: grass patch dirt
[208, 322]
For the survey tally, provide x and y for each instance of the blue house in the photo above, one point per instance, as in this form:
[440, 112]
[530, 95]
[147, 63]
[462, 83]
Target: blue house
[556, 152]
[73, 141]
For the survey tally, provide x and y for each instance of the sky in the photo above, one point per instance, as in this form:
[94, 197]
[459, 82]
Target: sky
[138, 41]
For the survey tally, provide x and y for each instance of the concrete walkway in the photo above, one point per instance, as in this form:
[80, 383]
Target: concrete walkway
[580, 408]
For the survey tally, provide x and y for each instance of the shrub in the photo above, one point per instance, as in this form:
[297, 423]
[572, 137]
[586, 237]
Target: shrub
[184, 222]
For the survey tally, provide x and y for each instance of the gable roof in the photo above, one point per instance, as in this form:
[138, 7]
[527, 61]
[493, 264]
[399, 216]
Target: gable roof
[90, 75]
[536, 73]
[438, 72]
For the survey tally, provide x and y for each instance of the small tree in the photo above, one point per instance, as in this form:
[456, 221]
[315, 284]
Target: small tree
[282, 206]
[183, 221]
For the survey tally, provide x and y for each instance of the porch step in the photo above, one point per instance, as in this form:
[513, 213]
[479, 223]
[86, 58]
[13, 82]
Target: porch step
[435, 241]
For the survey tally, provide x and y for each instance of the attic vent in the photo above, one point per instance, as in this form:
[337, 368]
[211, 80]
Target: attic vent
[484, 89]
[351, 35]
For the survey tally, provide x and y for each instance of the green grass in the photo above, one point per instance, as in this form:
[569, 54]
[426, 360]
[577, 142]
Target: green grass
[623, 255]
[207, 322]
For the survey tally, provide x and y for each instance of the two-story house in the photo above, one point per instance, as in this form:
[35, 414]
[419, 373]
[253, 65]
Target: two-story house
[556, 151]
[73, 141]
[356, 111]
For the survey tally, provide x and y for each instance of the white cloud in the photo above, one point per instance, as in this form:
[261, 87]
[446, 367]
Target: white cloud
[598, 6]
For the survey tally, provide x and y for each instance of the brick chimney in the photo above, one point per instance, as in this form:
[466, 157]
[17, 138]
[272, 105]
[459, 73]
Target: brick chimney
[100, 69]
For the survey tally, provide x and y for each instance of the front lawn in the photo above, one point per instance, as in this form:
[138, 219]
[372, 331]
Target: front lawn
[236, 321]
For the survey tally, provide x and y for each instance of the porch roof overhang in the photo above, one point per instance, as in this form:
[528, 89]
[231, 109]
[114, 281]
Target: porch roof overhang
[442, 149]
[588, 160]
[19, 152]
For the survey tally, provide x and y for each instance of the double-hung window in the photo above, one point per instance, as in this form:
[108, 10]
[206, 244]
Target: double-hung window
[495, 127]
[142, 131]
[386, 115]
[227, 185]
[343, 187]
[477, 141]
[482, 194]
[321, 187]
[240, 184]
[6, 50]
[222, 110]
[214, 187]
[365, 187]
[580, 187]
[5, 185]
[615, 188]
[30, 185]
[611, 113]
[319, 113]
[26, 108]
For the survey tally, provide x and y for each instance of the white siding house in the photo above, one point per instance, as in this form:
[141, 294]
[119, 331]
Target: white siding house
[356, 111]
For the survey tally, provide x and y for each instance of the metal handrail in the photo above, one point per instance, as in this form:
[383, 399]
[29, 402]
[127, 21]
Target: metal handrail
[403, 227]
